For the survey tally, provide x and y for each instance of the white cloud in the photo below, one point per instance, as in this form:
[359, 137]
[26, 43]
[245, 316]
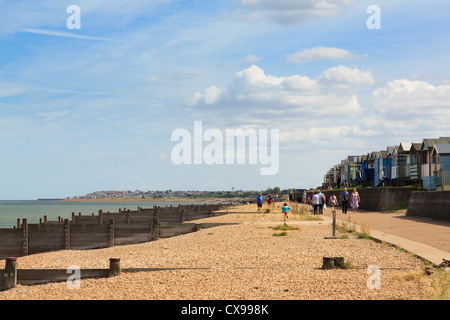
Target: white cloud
[413, 98]
[333, 91]
[252, 59]
[50, 116]
[289, 12]
[66, 34]
[51, 14]
[343, 75]
[9, 89]
[320, 53]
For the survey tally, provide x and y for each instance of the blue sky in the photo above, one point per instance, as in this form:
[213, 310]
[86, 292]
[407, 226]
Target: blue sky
[93, 109]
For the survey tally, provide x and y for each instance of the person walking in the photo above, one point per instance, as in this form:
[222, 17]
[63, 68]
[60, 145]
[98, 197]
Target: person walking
[355, 200]
[259, 201]
[333, 201]
[315, 202]
[344, 197]
[321, 201]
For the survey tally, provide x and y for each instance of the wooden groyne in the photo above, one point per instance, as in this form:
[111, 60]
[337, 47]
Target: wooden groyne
[102, 230]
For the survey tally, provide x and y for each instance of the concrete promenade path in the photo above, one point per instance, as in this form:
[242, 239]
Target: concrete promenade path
[425, 237]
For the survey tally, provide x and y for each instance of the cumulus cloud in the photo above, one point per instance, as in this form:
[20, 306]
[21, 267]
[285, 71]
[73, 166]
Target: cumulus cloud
[320, 53]
[332, 91]
[416, 97]
[343, 75]
[289, 12]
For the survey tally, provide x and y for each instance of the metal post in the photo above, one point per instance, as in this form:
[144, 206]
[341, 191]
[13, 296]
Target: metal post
[333, 211]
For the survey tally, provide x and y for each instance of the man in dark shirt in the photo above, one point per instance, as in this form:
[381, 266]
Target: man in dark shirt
[344, 197]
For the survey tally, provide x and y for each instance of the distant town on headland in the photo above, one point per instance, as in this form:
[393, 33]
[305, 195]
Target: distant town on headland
[178, 194]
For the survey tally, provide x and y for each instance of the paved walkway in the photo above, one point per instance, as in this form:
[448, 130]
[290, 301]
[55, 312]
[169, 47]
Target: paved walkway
[427, 238]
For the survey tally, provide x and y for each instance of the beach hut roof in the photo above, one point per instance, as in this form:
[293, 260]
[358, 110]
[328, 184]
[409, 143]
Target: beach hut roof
[442, 149]
[416, 147]
[405, 147]
[390, 150]
[429, 143]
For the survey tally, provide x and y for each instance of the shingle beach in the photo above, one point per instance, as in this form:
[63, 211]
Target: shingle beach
[241, 259]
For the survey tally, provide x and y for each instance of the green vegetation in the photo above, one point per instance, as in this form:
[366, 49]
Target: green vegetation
[401, 207]
[350, 227]
[281, 234]
[285, 227]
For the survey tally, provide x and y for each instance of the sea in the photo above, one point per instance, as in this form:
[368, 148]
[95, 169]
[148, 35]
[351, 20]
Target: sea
[33, 210]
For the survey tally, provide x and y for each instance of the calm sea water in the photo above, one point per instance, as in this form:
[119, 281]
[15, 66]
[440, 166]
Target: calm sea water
[10, 210]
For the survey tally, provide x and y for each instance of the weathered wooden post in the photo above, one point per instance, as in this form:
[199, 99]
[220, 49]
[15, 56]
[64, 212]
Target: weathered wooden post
[10, 273]
[67, 234]
[328, 263]
[111, 232]
[156, 227]
[25, 237]
[114, 267]
[339, 262]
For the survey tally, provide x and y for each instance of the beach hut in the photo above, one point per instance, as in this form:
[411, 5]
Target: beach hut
[441, 157]
[388, 164]
[394, 166]
[404, 163]
[369, 172]
[354, 169]
[417, 156]
[428, 166]
[380, 164]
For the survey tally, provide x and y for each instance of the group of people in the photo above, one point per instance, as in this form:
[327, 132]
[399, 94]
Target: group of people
[259, 201]
[317, 201]
[271, 201]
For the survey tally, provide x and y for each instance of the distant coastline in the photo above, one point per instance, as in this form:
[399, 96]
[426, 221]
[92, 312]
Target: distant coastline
[202, 200]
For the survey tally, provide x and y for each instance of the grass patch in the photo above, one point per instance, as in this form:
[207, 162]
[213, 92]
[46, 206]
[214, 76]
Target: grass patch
[435, 284]
[301, 212]
[347, 265]
[365, 233]
[346, 226]
[284, 226]
[281, 234]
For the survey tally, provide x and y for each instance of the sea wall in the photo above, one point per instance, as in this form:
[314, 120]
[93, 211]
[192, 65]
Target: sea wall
[430, 204]
[378, 199]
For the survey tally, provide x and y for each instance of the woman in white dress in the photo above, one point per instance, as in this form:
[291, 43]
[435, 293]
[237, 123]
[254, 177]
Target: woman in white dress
[355, 200]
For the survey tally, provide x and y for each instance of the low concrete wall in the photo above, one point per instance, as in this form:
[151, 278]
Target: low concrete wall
[378, 199]
[393, 197]
[430, 204]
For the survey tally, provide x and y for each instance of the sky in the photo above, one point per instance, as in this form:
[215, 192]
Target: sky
[95, 107]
